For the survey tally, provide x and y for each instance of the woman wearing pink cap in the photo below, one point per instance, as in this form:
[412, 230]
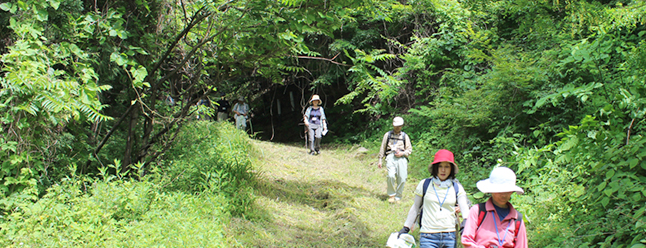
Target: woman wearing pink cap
[436, 198]
[496, 223]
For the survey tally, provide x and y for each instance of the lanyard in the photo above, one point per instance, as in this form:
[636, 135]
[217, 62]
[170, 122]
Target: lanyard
[500, 242]
[438, 197]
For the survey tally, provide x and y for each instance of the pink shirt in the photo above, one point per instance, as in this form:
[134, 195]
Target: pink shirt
[486, 234]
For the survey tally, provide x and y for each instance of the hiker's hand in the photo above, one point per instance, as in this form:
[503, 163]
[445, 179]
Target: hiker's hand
[379, 164]
[399, 153]
[403, 230]
[457, 209]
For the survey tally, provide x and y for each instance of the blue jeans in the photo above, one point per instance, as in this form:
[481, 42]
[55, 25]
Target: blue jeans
[437, 240]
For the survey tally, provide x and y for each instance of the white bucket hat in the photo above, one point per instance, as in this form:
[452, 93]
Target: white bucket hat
[501, 179]
[316, 98]
[398, 121]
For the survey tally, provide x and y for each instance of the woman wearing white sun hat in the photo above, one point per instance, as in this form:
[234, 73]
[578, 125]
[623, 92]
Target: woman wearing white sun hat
[496, 223]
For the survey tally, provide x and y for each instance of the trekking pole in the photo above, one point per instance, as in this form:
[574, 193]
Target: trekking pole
[251, 125]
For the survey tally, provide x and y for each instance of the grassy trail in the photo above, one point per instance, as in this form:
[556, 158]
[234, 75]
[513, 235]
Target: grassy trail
[335, 199]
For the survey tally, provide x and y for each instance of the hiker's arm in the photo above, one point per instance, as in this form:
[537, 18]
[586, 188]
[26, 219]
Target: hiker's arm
[323, 119]
[412, 213]
[469, 233]
[306, 117]
[463, 202]
[409, 147]
[382, 150]
[521, 240]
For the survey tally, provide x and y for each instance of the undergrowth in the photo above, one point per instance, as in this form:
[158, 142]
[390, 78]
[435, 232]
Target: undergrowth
[187, 199]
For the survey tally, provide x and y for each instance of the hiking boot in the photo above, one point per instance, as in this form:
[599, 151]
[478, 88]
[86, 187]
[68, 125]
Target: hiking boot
[318, 152]
[391, 199]
[312, 153]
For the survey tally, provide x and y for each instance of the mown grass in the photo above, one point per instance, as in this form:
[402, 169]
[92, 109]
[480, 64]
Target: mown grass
[336, 199]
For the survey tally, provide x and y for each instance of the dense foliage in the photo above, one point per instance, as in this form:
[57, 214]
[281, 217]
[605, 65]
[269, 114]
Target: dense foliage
[553, 89]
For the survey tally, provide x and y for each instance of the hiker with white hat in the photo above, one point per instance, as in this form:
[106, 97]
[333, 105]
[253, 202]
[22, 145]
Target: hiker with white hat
[241, 113]
[496, 223]
[316, 123]
[435, 201]
[395, 147]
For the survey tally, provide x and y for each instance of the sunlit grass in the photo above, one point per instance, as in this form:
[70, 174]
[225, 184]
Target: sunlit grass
[335, 199]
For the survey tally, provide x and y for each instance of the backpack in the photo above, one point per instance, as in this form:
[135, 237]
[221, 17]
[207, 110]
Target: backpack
[427, 181]
[390, 134]
[482, 213]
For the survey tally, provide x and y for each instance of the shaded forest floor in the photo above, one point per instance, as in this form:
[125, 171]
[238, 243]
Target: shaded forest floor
[335, 199]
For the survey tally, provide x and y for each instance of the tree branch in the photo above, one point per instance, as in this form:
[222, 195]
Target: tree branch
[319, 58]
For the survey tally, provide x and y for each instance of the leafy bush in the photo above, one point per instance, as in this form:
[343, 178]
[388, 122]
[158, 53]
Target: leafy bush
[211, 156]
[117, 213]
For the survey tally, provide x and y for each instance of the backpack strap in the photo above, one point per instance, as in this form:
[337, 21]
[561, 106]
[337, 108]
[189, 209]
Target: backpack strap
[390, 134]
[404, 139]
[427, 181]
[482, 213]
[518, 222]
[455, 186]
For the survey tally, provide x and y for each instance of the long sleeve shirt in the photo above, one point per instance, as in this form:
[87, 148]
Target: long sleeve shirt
[398, 141]
[486, 236]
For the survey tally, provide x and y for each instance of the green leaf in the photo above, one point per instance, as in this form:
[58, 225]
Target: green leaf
[610, 173]
[633, 162]
[601, 186]
[139, 74]
[609, 192]
[636, 197]
[5, 6]
[568, 144]
[605, 201]
[55, 4]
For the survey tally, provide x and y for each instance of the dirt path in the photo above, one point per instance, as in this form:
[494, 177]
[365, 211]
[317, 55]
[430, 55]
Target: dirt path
[335, 199]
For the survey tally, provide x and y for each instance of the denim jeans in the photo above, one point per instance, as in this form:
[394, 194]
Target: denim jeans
[437, 240]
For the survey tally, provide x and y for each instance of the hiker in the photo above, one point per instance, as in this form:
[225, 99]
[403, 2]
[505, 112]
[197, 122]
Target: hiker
[435, 201]
[207, 104]
[316, 124]
[223, 108]
[395, 147]
[495, 223]
[241, 111]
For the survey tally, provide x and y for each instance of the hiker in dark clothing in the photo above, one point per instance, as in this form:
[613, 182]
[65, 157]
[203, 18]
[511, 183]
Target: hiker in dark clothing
[223, 108]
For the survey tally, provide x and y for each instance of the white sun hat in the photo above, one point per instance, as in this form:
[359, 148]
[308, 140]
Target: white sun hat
[398, 121]
[316, 98]
[501, 179]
